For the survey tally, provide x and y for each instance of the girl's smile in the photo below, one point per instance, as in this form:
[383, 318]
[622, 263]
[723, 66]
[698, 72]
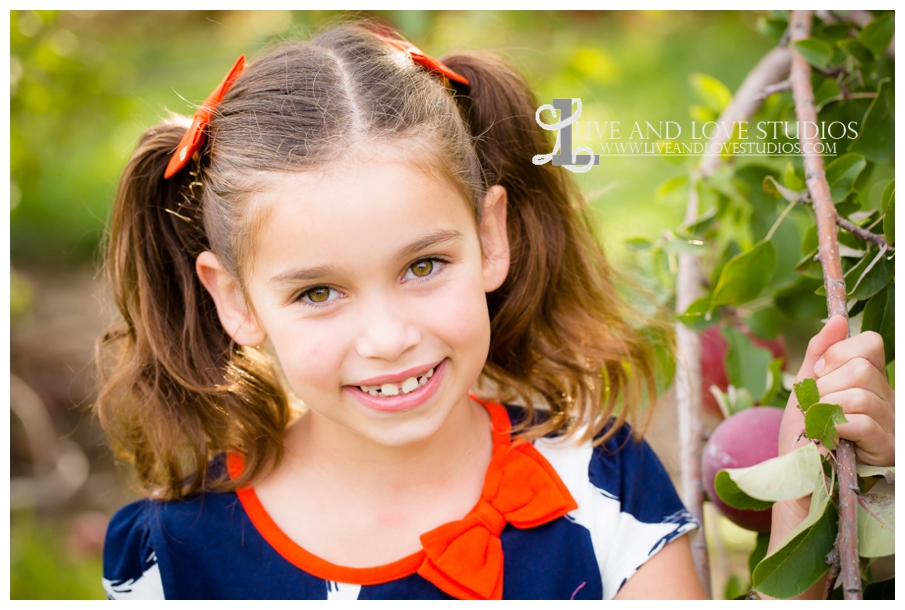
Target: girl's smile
[399, 392]
[370, 280]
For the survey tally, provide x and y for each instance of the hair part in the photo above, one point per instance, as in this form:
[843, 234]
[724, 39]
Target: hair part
[180, 391]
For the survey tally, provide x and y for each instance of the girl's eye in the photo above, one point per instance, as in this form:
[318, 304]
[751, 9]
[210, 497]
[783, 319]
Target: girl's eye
[318, 295]
[424, 268]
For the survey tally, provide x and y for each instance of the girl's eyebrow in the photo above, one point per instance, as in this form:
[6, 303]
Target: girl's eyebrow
[311, 273]
[432, 239]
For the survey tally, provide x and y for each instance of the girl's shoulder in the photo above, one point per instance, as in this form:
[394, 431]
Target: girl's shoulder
[626, 501]
[621, 468]
[145, 538]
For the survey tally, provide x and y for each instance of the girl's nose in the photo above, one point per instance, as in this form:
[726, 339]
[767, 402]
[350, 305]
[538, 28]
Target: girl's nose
[386, 331]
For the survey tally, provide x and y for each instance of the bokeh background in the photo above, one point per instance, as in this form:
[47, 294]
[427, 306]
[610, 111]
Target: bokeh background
[84, 85]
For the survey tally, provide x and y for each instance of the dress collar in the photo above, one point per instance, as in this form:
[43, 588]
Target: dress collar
[463, 558]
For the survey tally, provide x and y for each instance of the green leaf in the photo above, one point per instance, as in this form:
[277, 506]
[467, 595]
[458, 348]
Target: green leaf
[760, 551]
[799, 302]
[869, 276]
[765, 323]
[820, 423]
[887, 472]
[800, 561]
[788, 477]
[791, 179]
[774, 383]
[746, 363]
[772, 27]
[745, 276]
[678, 245]
[889, 221]
[851, 203]
[733, 400]
[697, 316]
[730, 493]
[835, 32]
[736, 588]
[828, 90]
[778, 190]
[877, 34]
[714, 94]
[888, 195]
[842, 173]
[638, 243]
[877, 523]
[880, 317]
[856, 50]
[672, 188]
[876, 138]
[815, 51]
[883, 589]
[809, 242]
[806, 393]
[809, 267]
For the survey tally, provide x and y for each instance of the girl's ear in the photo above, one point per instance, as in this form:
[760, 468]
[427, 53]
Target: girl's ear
[236, 317]
[494, 239]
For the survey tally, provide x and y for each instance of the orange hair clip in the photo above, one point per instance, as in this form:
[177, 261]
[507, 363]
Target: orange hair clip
[194, 136]
[422, 59]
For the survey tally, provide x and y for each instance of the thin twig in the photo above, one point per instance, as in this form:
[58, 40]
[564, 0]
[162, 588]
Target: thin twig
[828, 72]
[834, 282]
[779, 220]
[862, 233]
[833, 560]
[775, 88]
[772, 68]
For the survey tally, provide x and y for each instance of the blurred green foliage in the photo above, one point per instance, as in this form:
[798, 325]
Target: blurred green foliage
[85, 85]
[40, 568]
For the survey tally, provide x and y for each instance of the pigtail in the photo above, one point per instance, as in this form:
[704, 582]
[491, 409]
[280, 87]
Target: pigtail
[177, 390]
[571, 343]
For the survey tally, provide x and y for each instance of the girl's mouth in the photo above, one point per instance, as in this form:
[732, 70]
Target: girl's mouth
[402, 396]
[391, 389]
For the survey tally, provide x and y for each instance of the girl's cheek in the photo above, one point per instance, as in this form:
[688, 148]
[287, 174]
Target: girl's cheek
[462, 316]
[310, 352]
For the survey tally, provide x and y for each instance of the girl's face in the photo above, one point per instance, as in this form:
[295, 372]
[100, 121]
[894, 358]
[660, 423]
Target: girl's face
[370, 282]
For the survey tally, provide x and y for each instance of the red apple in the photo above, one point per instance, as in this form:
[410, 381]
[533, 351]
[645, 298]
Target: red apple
[747, 438]
[713, 362]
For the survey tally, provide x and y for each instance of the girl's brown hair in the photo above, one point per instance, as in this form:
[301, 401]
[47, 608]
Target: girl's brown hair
[179, 391]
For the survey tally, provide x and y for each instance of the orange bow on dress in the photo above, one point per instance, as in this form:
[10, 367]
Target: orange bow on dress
[465, 558]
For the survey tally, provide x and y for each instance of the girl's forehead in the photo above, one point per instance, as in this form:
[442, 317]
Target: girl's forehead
[353, 210]
[331, 193]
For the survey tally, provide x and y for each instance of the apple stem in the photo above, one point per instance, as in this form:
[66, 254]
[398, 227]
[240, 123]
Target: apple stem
[834, 282]
[771, 69]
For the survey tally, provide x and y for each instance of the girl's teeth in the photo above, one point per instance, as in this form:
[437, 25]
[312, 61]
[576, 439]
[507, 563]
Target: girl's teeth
[388, 389]
[409, 384]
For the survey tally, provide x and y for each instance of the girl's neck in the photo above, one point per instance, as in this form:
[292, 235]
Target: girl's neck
[314, 443]
[357, 503]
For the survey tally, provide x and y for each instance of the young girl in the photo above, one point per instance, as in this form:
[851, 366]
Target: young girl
[372, 215]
